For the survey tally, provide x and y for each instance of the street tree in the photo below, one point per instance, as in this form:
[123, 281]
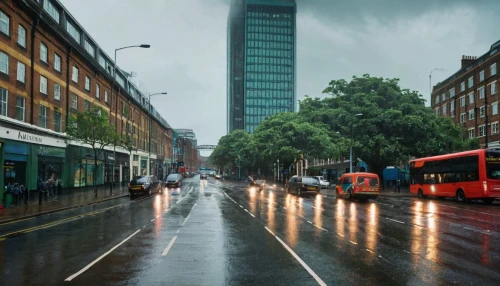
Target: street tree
[92, 127]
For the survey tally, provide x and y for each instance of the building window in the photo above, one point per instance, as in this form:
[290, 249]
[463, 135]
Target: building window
[494, 128]
[43, 52]
[462, 101]
[437, 110]
[51, 10]
[21, 36]
[437, 99]
[452, 108]
[472, 133]
[482, 111]
[443, 97]
[87, 83]
[106, 96]
[4, 23]
[42, 116]
[57, 62]
[97, 91]
[444, 109]
[57, 91]
[494, 108]
[21, 72]
[73, 31]
[4, 98]
[493, 69]
[462, 117]
[74, 101]
[493, 88]
[481, 76]
[89, 48]
[462, 86]
[102, 61]
[481, 92]
[471, 114]
[471, 81]
[74, 75]
[452, 92]
[57, 121]
[471, 97]
[482, 130]
[43, 84]
[20, 108]
[4, 63]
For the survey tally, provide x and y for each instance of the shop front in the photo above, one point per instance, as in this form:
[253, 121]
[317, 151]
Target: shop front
[49, 164]
[15, 163]
[110, 167]
[123, 160]
[144, 165]
[82, 168]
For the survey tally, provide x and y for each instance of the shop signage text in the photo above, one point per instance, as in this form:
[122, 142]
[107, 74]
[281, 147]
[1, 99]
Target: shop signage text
[49, 151]
[30, 138]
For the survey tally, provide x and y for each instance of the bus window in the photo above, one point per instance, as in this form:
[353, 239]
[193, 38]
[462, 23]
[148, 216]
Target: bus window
[493, 165]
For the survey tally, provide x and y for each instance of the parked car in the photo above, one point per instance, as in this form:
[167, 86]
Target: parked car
[218, 176]
[174, 180]
[144, 185]
[303, 185]
[203, 176]
[358, 185]
[323, 184]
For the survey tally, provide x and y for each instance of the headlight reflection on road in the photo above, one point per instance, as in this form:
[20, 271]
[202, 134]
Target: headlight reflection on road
[158, 213]
[372, 228]
[353, 222]
[339, 217]
[318, 218]
[271, 223]
[292, 228]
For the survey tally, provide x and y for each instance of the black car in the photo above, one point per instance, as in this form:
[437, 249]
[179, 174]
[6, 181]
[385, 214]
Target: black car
[303, 185]
[203, 176]
[174, 180]
[144, 185]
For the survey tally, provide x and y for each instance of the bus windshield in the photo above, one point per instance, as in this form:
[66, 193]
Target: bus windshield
[493, 165]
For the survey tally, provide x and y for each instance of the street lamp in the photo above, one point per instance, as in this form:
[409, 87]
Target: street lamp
[350, 151]
[150, 123]
[430, 81]
[144, 46]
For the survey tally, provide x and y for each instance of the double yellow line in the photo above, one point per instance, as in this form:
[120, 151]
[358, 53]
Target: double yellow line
[51, 224]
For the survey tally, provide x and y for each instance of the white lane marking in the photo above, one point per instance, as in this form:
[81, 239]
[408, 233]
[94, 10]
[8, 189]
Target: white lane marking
[164, 253]
[316, 277]
[341, 234]
[320, 228]
[353, 242]
[179, 230]
[241, 206]
[395, 220]
[153, 220]
[369, 250]
[249, 212]
[99, 258]
[310, 222]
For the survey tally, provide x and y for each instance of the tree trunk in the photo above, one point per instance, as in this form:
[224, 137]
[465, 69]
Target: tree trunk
[94, 177]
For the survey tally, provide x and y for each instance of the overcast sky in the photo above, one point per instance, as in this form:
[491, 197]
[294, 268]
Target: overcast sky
[336, 39]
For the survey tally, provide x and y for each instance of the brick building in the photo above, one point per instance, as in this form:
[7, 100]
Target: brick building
[470, 97]
[50, 69]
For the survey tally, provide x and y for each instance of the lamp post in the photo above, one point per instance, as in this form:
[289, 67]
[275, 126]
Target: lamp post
[150, 123]
[144, 46]
[430, 81]
[350, 149]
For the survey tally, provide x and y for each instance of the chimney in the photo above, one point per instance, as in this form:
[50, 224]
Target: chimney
[467, 60]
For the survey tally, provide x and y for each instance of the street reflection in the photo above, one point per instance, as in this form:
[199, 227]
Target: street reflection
[203, 184]
[318, 218]
[292, 227]
[416, 232]
[372, 228]
[255, 196]
[485, 259]
[158, 212]
[271, 218]
[432, 241]
[353, 222]
[339, 217]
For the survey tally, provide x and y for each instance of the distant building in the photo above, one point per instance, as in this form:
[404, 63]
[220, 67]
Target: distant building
[470, 97]
[261, 61]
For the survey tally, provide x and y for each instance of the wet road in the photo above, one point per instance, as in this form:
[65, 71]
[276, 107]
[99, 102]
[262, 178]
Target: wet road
[221, 233]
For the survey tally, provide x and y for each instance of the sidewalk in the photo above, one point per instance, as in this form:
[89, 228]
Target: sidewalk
[66, 201]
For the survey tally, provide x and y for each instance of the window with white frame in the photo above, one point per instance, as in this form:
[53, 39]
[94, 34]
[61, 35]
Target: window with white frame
[462, 117]
[57, 91]
[21, 36]
[57, 121]
[452, 92]
[452, 107]
[462, 101]
[21, 72]
[471, 81]
[493, 69]
[482, 130]
[4, 63]
[481, 92]
[74, 74]
[437, 99]
[97, 91]
[43, 84]
[20, 108]
[481, 76]
[472, 133]
[494, 128]
[462, 86]
[51, 10]
[444, 109]
[437, 110]
[493, 87]
[4, 23]
[57, 62]
[73, 31]
[471, 114]
[443, 97]
[471, 97]
[74, 101]
[494, 108]
[89, 48]
[482, 111]
[87, 83]
[106, 96]
[43, 52]
[4, 100]
[42, 116]
[102, 61]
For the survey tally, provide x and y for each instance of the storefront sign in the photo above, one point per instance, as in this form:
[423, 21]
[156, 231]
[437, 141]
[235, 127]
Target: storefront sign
[110, 158]
[49, 151]
[29, 138]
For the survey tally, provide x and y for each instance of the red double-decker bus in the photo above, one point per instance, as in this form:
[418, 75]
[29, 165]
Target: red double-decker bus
[465, 175]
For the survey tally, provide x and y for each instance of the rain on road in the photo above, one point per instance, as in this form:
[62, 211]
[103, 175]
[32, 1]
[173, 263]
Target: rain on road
[222, 233]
